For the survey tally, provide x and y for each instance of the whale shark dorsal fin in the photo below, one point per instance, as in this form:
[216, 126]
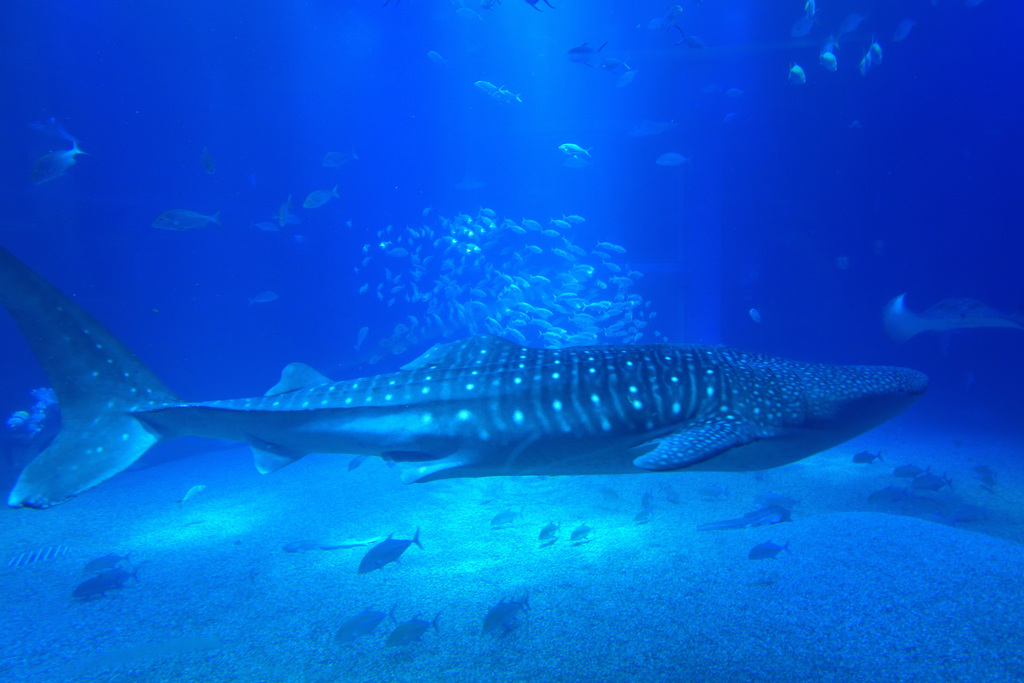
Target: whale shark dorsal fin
[696, 443]
[461, 353]
[297, 376]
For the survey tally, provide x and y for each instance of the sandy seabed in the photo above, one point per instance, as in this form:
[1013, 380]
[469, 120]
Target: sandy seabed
[872, 591]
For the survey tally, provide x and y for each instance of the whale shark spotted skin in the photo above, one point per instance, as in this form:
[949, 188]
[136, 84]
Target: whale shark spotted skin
[483, 406]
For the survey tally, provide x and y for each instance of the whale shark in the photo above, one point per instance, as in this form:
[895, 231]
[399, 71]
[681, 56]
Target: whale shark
[482, 406]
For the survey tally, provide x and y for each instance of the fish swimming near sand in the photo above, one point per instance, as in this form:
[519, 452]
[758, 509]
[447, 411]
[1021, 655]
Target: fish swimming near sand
[410, 631]
[97, 586]
[771, 514]
[363, 624]
[483, 406]
[950, 314]
[504, 617]
[387, 551]
[108, 561]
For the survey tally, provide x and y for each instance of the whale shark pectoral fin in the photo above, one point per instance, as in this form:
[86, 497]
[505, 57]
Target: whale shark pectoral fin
[412, 474]
[696, 443]
[270, 457]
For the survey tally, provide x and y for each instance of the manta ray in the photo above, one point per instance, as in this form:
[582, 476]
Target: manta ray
[483, 406]
[949, 314]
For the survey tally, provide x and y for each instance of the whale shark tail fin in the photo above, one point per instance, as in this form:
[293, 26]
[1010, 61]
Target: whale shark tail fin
[97, 380]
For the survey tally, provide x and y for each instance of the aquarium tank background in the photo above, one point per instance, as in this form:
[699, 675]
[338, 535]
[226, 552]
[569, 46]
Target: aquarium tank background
[229, 188]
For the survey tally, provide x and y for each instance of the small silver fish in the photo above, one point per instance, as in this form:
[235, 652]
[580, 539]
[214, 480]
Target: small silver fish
[191, 493]
[55, 164]
[767, 551]
[318, 198]
[183, 219]
[263, 298]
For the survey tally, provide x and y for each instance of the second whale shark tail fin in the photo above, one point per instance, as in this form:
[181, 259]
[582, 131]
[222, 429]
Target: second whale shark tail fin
[98, 382]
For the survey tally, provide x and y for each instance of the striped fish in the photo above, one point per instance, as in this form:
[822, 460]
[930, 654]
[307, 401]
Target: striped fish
[40, 555]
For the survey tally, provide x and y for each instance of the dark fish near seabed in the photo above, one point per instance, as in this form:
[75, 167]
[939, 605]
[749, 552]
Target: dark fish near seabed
[986, 476]
[97, 586]
[363, 624]
[931, 482]
[609, 494]
[580, 534]
[410, 631]
[386, 552]
[647, 501]
[549, 531]
[670, 494]
[908, 471]
[867, 458]
[767, 551]
[890, 494]
[642, 517]
[502, 618]
[506, 518]
[712, 492]
[356, 462]
[103, 563]
[773, 514]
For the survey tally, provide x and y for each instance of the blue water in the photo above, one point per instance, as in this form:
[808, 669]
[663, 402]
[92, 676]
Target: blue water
[813, 204]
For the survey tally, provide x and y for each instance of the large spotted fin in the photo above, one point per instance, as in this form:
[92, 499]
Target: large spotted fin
[697, 442]
[98, 381]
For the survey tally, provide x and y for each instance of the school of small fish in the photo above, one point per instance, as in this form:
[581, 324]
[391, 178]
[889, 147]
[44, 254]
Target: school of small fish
[522, 280]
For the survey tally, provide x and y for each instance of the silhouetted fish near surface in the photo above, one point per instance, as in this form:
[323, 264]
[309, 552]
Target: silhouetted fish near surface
[767, 551]
[109, 561]
[534, 3]
[772, 514]
[363, 624]
[386, 552]
[97, 586]
[410, 631]
[867, 458]
[470, 408]
[503, 617]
